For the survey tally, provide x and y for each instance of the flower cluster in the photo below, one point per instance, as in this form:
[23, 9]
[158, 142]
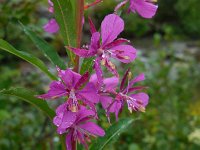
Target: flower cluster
[83, 93]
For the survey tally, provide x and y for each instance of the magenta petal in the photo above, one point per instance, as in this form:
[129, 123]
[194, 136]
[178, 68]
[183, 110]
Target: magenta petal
[83, 114]
[69, 77]
[90, 93]
[84, 78]
[93, 79]
[111, 83]
[92, 26]
[124, 79]
[145, 9]
[124, 53]
[105, 101]
[51, 7]
[111, 27]
[57, 89]
[82, 139]
[95, 43]
[137, 88]
[92, 128]
[117, 42]
[138, 78]
[81, 52]
[98, 70]
[115, 108]
[50, 3]
[57, 120]
[61, 109]
[67, 121]
[143, 97]
[51, 27]
[69, 139]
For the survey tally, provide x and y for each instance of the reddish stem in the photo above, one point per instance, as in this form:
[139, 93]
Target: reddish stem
[79, 26]
[74, 145]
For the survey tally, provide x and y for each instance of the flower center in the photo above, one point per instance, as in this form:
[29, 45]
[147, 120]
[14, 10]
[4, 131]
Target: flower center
[73, 102]
[100, 51]
[133, 104]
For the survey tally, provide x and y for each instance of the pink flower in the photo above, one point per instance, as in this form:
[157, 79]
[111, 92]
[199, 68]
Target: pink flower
[72, 86]
[144, 8]
[110, 85]
[135, 101]
[51, 8]
[77, 125]
[110, 47]
[52, 26]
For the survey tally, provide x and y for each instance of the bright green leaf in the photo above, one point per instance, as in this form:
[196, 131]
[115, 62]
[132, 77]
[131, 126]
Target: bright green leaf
[46, 49]
[87, 65]
[111, 133]
[66, 18]
[29, 97]
[26, 56]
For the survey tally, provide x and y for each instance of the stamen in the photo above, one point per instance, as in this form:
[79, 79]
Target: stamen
[74, 104]
[111, 65]
[103, 62]
[129, 75]
[142, 108]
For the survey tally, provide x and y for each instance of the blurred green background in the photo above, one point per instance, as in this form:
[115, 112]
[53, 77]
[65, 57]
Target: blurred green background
[169, 55]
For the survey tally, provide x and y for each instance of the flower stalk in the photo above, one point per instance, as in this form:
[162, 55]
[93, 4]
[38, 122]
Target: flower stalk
[79, 27]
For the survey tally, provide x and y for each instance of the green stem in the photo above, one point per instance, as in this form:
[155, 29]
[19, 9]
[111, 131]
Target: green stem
[62, 139]
[79, 26]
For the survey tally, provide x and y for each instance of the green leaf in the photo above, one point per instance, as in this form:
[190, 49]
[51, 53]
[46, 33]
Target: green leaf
[112, 132]
[29, 97]
[26, 56]
[87, 65]
[46, 49]
[66, 18]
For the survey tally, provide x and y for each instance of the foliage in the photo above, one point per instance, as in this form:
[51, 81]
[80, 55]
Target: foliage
[172, 119]
[189, 18]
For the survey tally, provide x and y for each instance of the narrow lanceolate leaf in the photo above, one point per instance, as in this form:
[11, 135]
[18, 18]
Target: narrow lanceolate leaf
[29, 97]
[87, 65]
[26, 56]
[111, 133]
[66, 18]
[46, 49]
